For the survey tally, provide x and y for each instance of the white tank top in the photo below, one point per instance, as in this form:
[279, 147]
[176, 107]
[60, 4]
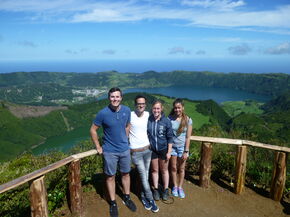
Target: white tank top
[138, 132]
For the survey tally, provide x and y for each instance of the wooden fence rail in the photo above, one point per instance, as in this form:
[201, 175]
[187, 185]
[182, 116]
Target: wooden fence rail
[38, 194]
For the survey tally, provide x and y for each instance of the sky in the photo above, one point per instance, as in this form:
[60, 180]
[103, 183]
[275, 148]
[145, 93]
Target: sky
[231, 30]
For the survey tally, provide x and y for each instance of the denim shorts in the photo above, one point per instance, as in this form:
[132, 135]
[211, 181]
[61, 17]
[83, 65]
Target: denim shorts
[177, 151]
[113, 160]
[159, 154]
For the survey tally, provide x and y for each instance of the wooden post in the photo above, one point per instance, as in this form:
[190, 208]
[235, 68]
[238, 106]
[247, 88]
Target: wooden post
[75, 188]
[279, 176]
[205, 164]
[241, 162]
[38, 198]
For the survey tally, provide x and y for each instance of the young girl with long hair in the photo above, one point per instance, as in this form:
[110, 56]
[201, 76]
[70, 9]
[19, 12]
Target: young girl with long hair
[182, 129]
[160, 136]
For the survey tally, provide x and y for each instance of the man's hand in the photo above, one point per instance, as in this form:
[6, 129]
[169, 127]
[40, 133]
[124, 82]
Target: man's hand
[99, 149]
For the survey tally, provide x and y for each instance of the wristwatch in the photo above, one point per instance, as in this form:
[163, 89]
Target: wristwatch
[186, 152]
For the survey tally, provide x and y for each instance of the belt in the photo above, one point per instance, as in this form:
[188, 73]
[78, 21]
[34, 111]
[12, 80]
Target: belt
[140, 149]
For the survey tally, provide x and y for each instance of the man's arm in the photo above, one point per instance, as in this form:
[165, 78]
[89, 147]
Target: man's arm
[128, 129]
[95, 138]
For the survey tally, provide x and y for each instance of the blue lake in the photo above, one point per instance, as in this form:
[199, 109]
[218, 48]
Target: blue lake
[203, 93]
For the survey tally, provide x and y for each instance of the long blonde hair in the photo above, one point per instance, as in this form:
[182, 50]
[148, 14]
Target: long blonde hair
[184, 118]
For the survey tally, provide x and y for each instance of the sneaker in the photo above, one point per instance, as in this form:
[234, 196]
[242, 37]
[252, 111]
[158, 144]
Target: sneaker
[174, 191]
[113, 209]
[156, 194]
[165, 194]
[129, 203]
[181, 193]
[154, 207]
[146, 203]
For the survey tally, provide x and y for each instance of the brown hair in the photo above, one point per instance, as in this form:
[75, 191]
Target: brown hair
[139, 97]
[114, 89]
[157, 102]
[184, 118]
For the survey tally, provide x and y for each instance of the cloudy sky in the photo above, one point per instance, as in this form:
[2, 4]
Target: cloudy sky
[145, 29]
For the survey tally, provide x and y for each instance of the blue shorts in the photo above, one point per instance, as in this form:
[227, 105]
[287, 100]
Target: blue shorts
[113, 160]
[177, 151]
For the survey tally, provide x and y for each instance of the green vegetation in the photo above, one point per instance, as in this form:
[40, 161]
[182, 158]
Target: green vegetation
[32, 131]
[51, 88]
[14, 139]
[269, 125]
[235, 108]
[16, 201]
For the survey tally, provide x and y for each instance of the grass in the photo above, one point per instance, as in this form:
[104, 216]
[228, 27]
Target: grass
[234, 108]
[198, 119]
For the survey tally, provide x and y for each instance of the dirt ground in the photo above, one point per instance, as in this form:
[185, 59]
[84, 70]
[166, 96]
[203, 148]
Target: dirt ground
[23, 111]
[216, 201]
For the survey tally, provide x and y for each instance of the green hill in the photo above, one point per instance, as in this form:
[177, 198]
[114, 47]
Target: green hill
[50, 88]
[209, 119]
[234, 108]
[271, 125]
[281, 103]
[19, 135]
[14, 137]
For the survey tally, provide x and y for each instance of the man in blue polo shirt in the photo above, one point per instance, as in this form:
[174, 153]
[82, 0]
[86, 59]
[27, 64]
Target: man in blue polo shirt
[115, 119]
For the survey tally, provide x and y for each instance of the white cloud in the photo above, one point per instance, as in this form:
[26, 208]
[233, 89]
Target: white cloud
[222, 5]
[200, 52]
[79, 51]
[280, 49]
[109, 52]
[242, 49]
[178, 50]
[210, 13]
[69, 51]
[223, 39]
[27, 44]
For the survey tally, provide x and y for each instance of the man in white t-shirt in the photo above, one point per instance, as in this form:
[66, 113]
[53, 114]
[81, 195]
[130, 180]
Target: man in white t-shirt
[140, 150]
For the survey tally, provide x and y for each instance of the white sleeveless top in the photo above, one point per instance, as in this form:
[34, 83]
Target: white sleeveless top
[138, 132]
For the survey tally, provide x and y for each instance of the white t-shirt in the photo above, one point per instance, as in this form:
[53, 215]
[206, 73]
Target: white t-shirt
[138, 132]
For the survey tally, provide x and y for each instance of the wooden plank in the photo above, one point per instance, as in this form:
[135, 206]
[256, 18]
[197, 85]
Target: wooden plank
[85, 154]
[75, 188]
[266, 146]
[241, 162]
[217, 140]
[239, 142]
[38, 198]
[279, 176]
[23, 179]
[205, 165]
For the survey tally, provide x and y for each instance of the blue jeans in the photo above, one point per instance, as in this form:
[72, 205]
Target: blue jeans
[142, 160]
[177, 150]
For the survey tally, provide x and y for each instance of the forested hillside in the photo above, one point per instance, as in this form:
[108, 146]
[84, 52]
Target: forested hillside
[209, 119]
[52, 88]
[33, 130]
[268, 125]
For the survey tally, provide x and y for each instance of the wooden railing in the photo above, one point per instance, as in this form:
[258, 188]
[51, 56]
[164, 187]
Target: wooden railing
[38, 194]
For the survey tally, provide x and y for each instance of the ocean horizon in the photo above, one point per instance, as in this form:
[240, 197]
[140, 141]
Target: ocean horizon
[140, 66]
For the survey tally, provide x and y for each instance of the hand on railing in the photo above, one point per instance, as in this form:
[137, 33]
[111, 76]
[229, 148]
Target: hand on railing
[99, 150]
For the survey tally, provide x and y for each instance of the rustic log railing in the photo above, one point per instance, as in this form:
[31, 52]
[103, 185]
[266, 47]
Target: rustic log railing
[38, 194]
[279, 171]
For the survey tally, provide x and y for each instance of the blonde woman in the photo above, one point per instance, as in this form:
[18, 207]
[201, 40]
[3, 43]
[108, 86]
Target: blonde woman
[182, 129]
[160, 136]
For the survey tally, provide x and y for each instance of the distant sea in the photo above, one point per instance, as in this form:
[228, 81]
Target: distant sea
[138, 66]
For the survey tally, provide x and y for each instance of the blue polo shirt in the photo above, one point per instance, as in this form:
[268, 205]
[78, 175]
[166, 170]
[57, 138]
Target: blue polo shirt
[114, 126]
